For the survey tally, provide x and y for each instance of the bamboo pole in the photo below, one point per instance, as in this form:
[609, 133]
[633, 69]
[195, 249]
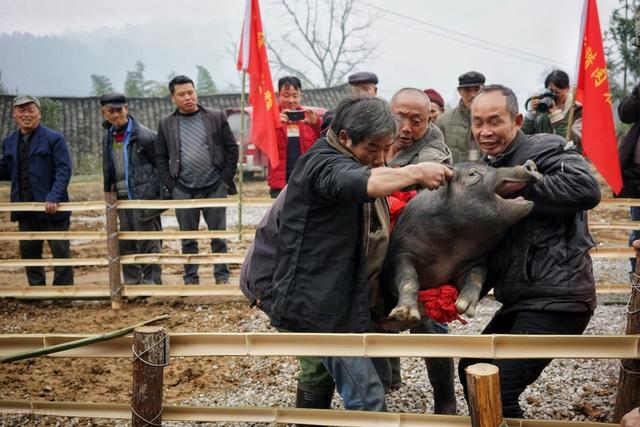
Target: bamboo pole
[629, 382]
[485, 405]
[113, 250]
[150, 356]
[241, 155]
[79, 343]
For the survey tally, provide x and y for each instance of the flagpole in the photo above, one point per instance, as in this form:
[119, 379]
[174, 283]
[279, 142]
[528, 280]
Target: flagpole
[241, 155]
[572, 110]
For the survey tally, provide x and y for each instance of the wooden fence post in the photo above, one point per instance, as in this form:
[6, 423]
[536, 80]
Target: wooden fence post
[485, 405]
[629, 382]
[113, 250]
[150, 356]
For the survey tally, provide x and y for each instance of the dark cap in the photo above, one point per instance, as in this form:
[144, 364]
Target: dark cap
[362, 77]
[113, 99]
[24, 100]
[434, 97]
[471, 78]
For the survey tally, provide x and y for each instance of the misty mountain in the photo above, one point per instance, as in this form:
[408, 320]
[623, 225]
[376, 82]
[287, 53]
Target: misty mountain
[62, 65]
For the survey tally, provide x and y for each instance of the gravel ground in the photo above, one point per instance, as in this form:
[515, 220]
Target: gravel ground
[568, 389]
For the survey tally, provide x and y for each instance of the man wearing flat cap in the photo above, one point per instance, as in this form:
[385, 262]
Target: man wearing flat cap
[129, 169]
[455, 124]
[36, 160]
[361, 83]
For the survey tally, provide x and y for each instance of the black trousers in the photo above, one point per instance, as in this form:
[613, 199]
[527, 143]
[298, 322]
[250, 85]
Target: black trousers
[517, 374]
[32, 249]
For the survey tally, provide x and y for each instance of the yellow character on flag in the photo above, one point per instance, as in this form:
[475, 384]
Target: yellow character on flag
[260, 40]
[607, 98]
[268, 100]
[589, 57]
[599, 75]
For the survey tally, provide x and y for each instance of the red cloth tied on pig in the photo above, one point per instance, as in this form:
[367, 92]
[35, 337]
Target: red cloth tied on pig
[440, 303]
[397, 201]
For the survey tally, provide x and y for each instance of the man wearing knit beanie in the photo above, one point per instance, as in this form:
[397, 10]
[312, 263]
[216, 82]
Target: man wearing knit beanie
[437, 103]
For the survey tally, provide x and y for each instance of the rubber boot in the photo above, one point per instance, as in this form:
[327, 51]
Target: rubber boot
[313, 398]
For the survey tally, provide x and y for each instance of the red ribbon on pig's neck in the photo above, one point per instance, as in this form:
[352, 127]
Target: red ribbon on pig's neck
[440, 303]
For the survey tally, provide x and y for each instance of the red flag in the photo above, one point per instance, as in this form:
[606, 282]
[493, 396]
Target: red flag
[252, 58]
[598, 132]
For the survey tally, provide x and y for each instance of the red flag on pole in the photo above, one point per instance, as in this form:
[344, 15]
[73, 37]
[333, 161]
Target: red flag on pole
[252, 58]
[598, 132]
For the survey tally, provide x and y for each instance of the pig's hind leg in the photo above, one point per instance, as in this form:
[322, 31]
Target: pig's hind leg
[406, 279]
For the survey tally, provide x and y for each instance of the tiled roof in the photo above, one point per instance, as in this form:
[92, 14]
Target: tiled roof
[80, 119]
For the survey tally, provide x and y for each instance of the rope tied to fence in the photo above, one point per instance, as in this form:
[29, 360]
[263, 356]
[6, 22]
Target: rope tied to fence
[165, 362]
[628, 371]
[635, 287]
[151, 422]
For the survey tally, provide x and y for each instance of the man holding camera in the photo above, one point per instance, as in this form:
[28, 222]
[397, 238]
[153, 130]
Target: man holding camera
[549, 111]
[301, 128]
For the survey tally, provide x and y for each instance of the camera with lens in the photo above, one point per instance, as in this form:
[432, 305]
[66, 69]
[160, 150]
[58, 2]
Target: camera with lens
[546, 101]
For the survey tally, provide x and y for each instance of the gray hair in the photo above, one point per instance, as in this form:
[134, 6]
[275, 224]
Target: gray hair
[364, 118]
[511, 99]
[412, 90]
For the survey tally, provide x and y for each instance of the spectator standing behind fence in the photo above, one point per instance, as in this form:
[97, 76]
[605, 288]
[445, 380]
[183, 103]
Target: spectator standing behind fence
[455, 124]
[300, 129]
[548, 112]
[36, 160]
[197, 157]
[437, 104]
[541, 270]
[629, 112]
[129, 169]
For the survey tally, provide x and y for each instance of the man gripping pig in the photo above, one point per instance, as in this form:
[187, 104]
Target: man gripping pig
[541, 270]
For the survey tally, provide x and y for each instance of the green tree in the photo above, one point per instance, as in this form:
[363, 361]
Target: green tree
[100, 85]
[50, 111]
[205, 84]
[623, 60]
[134, 84]
[3, 90]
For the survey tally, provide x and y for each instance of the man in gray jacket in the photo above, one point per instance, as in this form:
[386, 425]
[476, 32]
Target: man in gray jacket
[455, 123]
[197, 159]
[129, 168]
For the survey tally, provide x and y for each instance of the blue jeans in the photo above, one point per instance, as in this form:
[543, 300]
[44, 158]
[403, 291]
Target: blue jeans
[635, 234]
[357, 382]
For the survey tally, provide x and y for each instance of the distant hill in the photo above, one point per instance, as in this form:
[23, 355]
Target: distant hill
[62, 65]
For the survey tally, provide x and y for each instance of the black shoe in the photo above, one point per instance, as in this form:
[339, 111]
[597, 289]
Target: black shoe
[222, 281]
[313, 399]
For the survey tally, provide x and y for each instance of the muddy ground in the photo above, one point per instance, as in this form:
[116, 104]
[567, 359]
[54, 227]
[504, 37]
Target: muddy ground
[109, 380]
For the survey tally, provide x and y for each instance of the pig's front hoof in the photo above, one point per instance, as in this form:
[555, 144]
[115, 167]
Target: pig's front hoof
[405, 313]
[465, 307]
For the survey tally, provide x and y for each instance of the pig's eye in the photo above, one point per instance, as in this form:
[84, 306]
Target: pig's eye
[473, 173]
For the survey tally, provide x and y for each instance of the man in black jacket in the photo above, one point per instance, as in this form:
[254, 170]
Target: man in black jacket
[129, 168]
[332, 237]
[541, 271]
[197, 159]
[629, 112]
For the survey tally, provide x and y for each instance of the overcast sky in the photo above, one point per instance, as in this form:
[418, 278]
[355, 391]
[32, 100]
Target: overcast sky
[421, 43]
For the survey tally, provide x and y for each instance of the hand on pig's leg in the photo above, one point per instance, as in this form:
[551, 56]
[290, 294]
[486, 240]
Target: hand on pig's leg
[406, 279]
[470, 288]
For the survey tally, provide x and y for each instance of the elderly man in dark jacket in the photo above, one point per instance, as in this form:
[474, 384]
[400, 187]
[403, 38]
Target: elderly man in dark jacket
[629, 112]
[129, 168]
[36, 160]
[332, 239]
[541, 271]
[197, 157]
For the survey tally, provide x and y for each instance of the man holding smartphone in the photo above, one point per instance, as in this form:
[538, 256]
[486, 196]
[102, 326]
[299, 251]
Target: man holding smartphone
[301, 128]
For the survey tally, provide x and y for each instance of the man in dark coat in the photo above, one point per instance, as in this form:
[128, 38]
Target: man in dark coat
[541, 270]
[332, 239]
[36, 160]
[129, 168]
[629, 112]
[197, 157]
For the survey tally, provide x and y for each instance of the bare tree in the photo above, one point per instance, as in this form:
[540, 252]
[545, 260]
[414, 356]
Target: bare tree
[328, 36]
